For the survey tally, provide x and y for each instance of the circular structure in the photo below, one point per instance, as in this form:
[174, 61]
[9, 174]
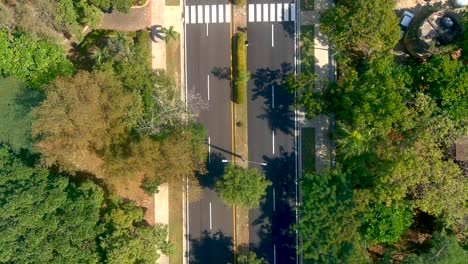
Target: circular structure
[438, 29]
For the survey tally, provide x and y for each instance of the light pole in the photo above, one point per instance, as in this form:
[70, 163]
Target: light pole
[254, 162]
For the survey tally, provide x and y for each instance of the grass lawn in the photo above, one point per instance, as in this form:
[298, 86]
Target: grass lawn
[307, 5]
[308, 149]
[176, 223]
[307, 49]
[172, 2]
[173, 59]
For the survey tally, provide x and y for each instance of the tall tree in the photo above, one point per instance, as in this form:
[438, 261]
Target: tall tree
[43, 217]
[242, 187]
[327, 226]
[361, 27]
[70, 134]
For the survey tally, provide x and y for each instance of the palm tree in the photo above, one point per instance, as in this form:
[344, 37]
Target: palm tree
[352, 142]
[169, 33]
[100, 55]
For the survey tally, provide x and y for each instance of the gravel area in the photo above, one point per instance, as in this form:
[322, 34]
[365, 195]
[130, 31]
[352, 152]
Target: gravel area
[136, 19]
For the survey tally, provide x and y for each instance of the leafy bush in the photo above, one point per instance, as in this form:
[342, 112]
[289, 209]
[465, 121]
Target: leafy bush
[36, 62]
[150, 186]
[241, 75]
[123, 5]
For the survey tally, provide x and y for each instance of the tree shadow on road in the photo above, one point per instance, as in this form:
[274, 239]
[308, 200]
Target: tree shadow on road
[214, 169]
[211, 248]
[222, 73]
[278, 110]
[276, 227]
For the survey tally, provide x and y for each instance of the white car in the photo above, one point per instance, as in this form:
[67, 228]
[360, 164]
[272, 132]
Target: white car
[406, 19]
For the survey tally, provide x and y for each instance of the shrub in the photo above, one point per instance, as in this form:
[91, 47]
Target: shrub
[241, 75]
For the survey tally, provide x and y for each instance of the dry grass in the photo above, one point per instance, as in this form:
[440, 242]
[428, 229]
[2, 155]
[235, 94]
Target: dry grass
[176, 223]
[173, 59]
[172, 2]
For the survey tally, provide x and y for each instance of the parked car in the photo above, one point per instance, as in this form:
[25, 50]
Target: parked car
[405, 21]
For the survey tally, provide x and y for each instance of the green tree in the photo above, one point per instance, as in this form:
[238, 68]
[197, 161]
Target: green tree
[169, 33]
[242, 187]
[250, 258]
[122, 5]
[43, 217]
[312, 102]
[385, 224]
[16, 104]
[361, 27]
[327, 226]
[71, 135]
[446, 81]
[128, 239]
[36, 62]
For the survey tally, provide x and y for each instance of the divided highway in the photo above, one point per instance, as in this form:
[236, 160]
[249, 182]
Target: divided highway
[271, 125]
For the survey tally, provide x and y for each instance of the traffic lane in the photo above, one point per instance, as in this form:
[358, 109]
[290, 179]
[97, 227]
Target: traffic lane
[270, 58]
[210, 227]
[207, 2]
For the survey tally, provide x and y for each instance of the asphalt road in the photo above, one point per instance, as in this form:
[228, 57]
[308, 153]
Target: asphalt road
[208, 63]
[271, 135]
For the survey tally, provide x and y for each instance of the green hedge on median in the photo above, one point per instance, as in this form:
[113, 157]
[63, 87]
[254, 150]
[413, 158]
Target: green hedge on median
[241, 75]
[239, 2]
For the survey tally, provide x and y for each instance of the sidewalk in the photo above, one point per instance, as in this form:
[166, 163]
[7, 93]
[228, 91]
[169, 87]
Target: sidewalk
[324, 70]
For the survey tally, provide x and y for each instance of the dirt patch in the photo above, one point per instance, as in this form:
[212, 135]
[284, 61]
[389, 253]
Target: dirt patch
[135, 19]
[130, 189]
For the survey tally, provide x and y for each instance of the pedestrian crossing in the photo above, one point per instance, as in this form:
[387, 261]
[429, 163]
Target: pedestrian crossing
[274, 12]
[198, 14]
[278, 12]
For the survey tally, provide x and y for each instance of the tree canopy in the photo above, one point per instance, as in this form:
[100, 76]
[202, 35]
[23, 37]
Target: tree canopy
[45, 218]
[242, 187]
[361, 27]
[36, 62]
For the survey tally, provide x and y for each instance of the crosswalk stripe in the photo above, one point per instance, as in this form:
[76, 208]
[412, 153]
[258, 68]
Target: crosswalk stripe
[258, 8]
[213, 14]
[272, 12]
[279, 12]
[187, 14]
[207, 14]
[200, 14]
[265, 12]
[293, 12]
[228, 13]
[286, 12]
[193, 15]
[221, 13]
[251, 13]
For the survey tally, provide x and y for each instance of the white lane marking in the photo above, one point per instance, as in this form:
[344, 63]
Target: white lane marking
[209, 149]
[208, 84]
[273, 140]
[193, 16]
[274, 203]
[293, 12]
[258, 9]
[207, 29]
[213, 14]
[265, 12]
[211, 227]
[200, 14]
[221, 13]
[251, 13]
[187, 14]
[228, 13]
[274, 253]
[272, 12]
[279, 12]
[273, 95]
[207, 14]
[286, 12]
[272, 36]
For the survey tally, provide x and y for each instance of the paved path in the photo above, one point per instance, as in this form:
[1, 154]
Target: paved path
[158, 46]
[324, 69]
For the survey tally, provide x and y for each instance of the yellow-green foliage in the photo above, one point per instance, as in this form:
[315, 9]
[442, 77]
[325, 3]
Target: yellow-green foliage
[241, 75]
